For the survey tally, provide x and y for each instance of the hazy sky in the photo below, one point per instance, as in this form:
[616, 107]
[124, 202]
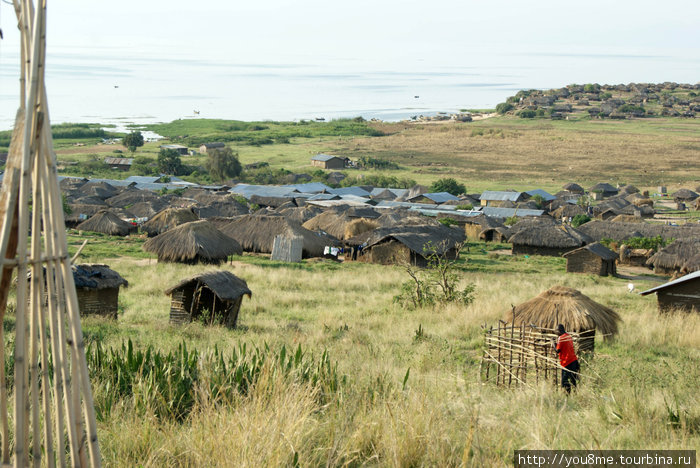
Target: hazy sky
[286, 59]
[369, 31]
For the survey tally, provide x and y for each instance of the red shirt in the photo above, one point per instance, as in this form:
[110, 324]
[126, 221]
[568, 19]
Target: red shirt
[565, 347]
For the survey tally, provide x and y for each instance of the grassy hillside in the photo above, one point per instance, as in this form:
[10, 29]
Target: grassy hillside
[409, 390]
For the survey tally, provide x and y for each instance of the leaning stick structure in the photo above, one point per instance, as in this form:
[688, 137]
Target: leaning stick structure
[53, 416]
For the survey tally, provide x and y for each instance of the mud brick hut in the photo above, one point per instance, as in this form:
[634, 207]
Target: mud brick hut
[106, 222]
[677, 257]
[595, 259]
[97, 287]
[191, 243]
[680, 294]
[326, 161]
[578, 313]
[213, 297]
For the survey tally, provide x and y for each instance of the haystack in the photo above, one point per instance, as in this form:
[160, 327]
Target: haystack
[256, 233]
[168, 219]
[106, 222]
[331, 221]
[358, 226]
[194, 242]
[576, 311]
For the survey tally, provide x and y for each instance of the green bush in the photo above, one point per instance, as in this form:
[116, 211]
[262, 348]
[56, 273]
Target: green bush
[579, 219]
[368, 162]
[448, 185]
[527, 114]
[504, 107]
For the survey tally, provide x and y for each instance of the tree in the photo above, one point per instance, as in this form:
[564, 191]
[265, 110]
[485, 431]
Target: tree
[169, 162]
[448, 185]
[504, 107]
[133, 141]
[223, 164]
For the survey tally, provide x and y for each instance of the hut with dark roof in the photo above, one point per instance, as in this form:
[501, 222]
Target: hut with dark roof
[101, 190]
[673, 258]
[408, 244]
[213, 297]
[97, 288]
[576, 311]
[594, 259]
[547, 238]
[256, 233]
[679, 294]
[168, 218]
[485, 228]
[106, 222]
[684, 196]
[193, 242]
[604, 190]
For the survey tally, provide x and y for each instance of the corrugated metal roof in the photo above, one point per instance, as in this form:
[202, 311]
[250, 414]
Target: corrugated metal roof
[543, 193]
[509, 212]
[142, 179]
[491, 195]
[324, 157]
[114, 183]
[440, 197]
[264, 191]
[175, 147]
[119, 161]
[324, 196]
[356, 191]
[310, 187]
[682, 279]
[433, 212]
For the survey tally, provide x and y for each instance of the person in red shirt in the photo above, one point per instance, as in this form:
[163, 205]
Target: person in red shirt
[567, 359]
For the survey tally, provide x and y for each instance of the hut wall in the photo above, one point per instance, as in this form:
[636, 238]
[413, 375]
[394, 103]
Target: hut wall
[104, 302]
[386, 253]
[472, 231]
[522, 249]
[587, 262]
[181, 304]
[685, 296]
[287, 249]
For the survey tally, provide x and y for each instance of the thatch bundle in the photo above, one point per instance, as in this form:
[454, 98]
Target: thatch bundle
[358, 226]
[569, 307]
[106, 222]
[256, 233]
[168, 219]
[193, 242]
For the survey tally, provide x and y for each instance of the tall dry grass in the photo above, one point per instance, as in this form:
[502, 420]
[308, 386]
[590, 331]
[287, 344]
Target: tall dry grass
[638, 391]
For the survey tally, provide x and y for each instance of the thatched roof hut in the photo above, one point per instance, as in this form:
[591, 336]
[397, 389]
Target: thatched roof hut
[300, 214]
[106, 222]
[576, 311]
[673, 258]
[599, 230]
[684, 195]
[193, 242]
[146, 209]
[573, 188]
[80, 213]
[218, 294]
[333, 222]
[222, 207]
[98, 189]
[256, 233]
[679, 294]
[168, 219]
[97, 288]
[547, 239]
[629, 189]
[567, 210]
[130, 196]
[485, 228]
[605, 189]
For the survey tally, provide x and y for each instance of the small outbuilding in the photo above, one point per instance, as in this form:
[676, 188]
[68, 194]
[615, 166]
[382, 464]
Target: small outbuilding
[106, 222]
[204, 148]
[97, 288]
[680, 294]
[181, 150]
[327, 161]
[595, 259]
[122, 164]
[213, 297]
[169, 218]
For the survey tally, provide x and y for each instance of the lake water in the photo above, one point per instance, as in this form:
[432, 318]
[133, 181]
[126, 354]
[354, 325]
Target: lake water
[111, 87]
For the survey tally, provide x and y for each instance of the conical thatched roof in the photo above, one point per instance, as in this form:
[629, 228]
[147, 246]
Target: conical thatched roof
[89, 200]
[301, 214]
[192, 242]
[256, 233]
[98, 189]
[168, 219]
[603, 188]
[330, 221]
[629, 189]
[222, 207]
[224, 284]
[131, 196]
[106, 222]
[573, 188]
[569, 307]
[147, 209]
[685, 195]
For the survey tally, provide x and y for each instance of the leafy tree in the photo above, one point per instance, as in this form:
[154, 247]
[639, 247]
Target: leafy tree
[538, 199]
[223, 163]
[448, 185]
[169, 162]
[504, 107]
[527, 114]
[133, 141]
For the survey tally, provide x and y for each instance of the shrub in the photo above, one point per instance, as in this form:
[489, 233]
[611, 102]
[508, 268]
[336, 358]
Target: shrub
[527, 114]
[467, 206]
[448, 185]
[579, 219]
[504, 107]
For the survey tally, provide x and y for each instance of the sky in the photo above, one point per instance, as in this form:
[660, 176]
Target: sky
[513, 44]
